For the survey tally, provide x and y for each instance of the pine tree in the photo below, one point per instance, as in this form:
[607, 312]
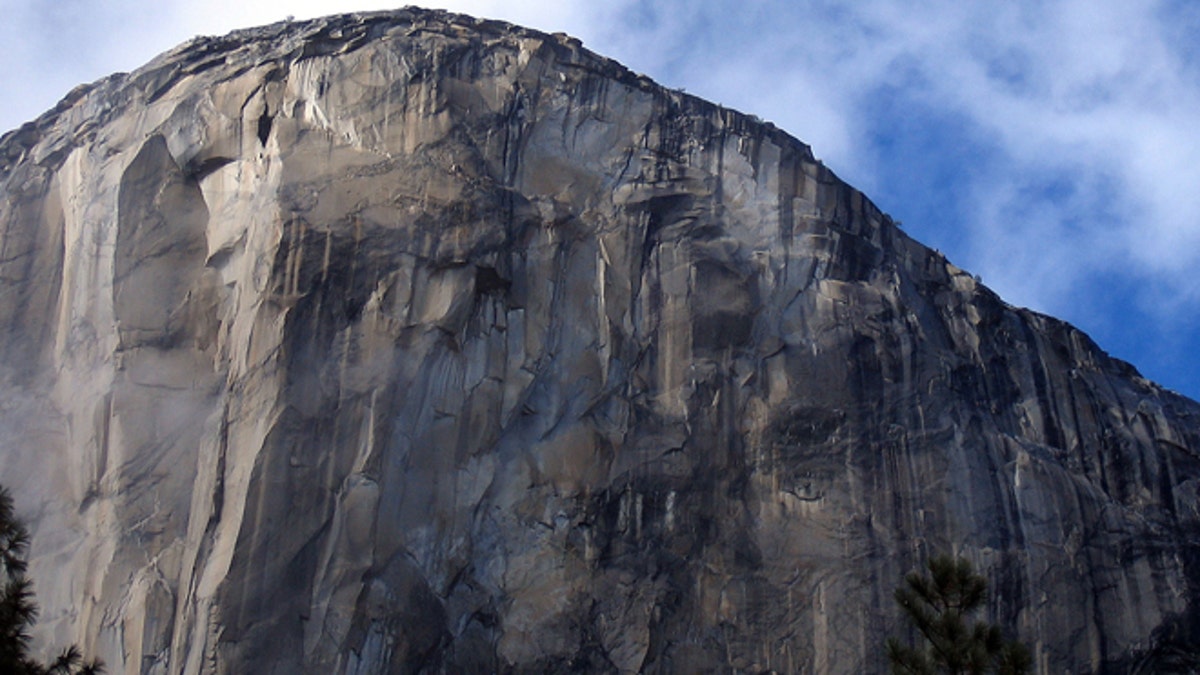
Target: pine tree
[18, 611]
[939, 607]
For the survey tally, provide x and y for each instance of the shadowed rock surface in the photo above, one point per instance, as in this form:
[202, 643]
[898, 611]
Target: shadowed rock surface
[408, 342]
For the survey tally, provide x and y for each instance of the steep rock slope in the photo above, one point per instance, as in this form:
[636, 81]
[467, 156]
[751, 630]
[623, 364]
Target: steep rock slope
[409, 342]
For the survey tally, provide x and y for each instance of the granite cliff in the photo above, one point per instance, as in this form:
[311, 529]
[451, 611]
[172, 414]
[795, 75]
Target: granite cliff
[409, 342]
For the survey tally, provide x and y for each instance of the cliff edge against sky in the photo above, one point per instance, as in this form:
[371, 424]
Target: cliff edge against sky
[409, 342]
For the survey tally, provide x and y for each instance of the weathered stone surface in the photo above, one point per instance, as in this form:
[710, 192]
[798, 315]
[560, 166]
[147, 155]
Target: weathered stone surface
[406, 342]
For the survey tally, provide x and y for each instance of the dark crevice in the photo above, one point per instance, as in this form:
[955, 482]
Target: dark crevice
[264, 127]
[489, 281]
[197, 170]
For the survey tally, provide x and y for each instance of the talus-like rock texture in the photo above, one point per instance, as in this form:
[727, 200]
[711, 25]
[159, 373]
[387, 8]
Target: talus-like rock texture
[408, 342]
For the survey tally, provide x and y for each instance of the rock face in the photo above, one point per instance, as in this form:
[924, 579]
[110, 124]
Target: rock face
[407, 342]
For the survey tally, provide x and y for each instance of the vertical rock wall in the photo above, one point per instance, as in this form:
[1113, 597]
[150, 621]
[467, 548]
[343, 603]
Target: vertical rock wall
[407, 342]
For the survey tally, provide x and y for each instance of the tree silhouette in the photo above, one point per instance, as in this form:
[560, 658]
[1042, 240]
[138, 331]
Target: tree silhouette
[938, 606]
[18, 611]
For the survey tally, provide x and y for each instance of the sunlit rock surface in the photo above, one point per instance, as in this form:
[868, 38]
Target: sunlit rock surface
[406, 342]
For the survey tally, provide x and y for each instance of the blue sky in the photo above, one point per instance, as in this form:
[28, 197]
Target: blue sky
[1052, 147]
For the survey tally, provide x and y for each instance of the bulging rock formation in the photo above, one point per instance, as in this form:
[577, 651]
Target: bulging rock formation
[408, 342]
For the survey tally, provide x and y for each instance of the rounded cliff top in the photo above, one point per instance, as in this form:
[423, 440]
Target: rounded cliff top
[297, 40]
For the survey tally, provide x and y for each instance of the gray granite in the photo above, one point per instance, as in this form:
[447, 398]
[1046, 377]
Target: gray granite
[406, 342]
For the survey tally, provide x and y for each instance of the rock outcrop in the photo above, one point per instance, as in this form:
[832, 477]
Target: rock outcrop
[408, 342]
